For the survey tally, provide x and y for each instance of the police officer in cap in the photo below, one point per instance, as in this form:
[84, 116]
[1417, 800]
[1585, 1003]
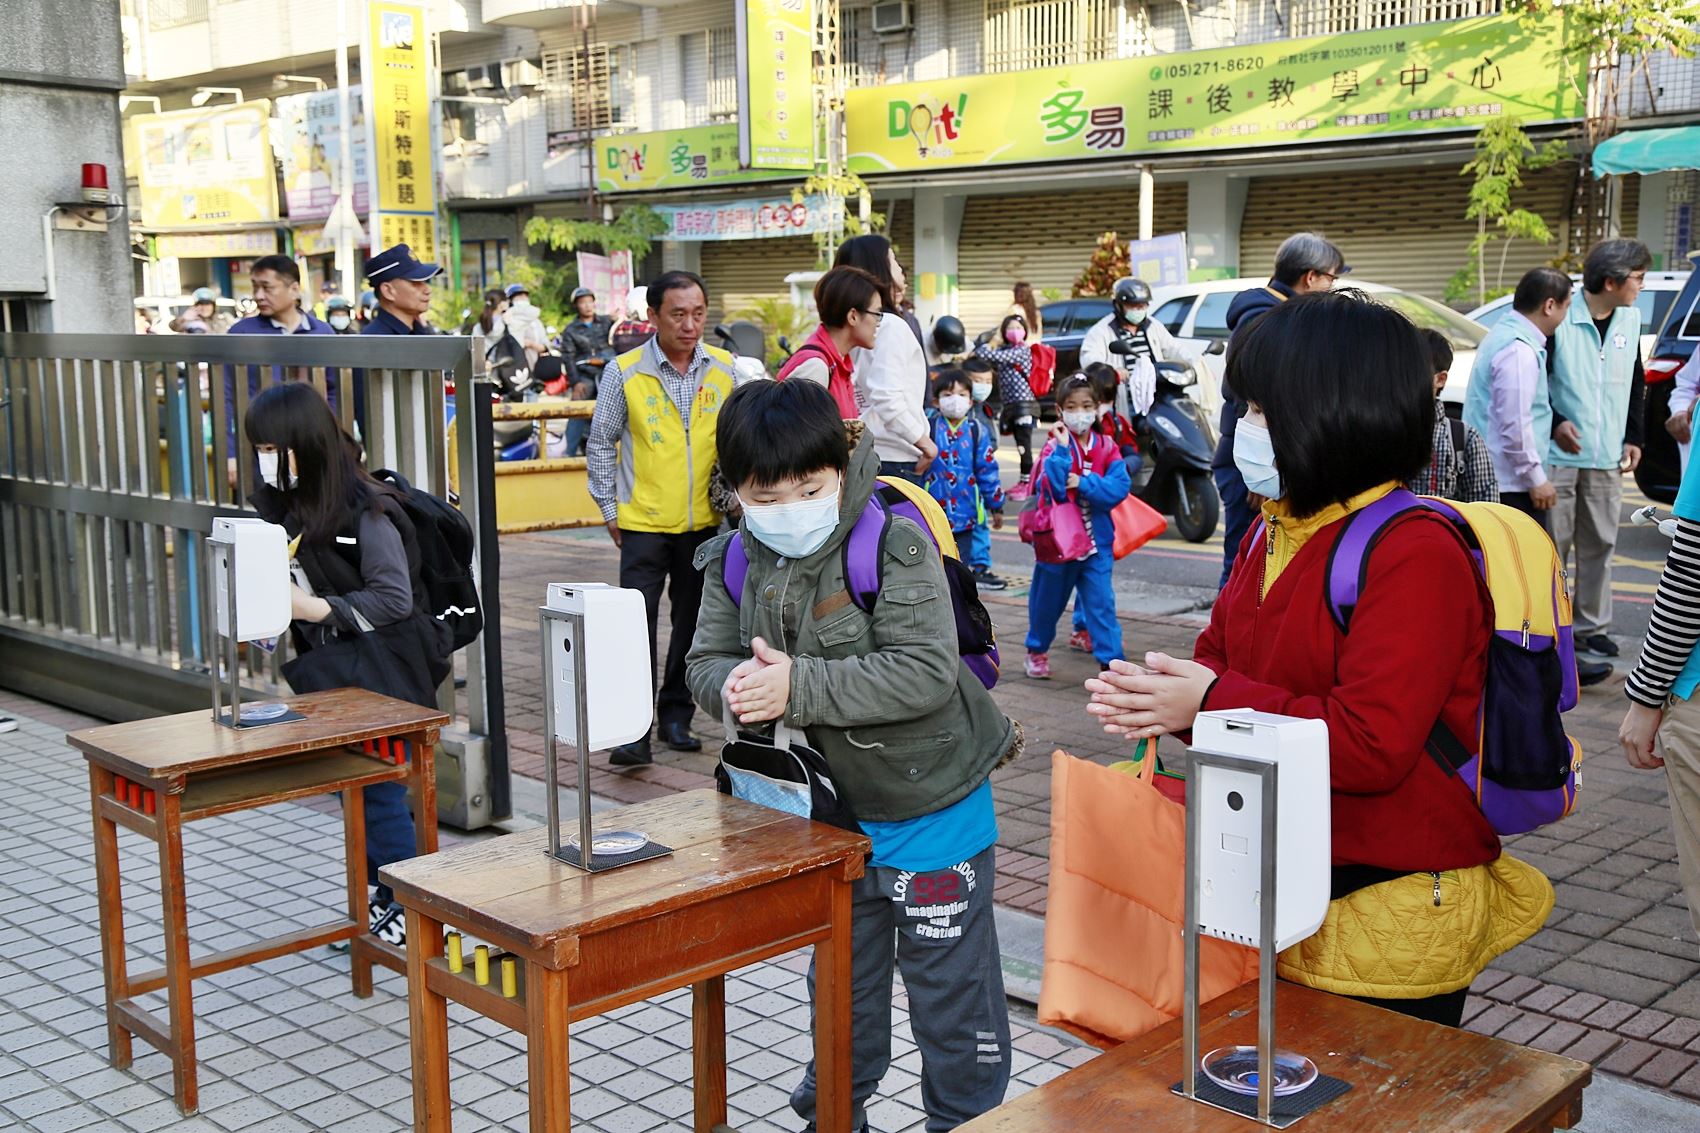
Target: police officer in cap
[403, 287]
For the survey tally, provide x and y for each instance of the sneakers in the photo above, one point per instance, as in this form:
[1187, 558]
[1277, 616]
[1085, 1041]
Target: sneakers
[1598, 644]
[388, 923]
[1019, 492]
[1080, 641]
[1592, 672]
[7, 724]
[1039, 666]
[986, 580]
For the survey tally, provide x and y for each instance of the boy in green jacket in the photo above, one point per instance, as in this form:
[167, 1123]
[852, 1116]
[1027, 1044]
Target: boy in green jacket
[910, 734]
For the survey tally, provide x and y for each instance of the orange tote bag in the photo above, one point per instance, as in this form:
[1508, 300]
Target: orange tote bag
[1116, 906]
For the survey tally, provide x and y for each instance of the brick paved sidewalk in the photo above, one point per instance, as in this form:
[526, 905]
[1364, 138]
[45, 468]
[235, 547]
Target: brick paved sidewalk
[284, 1045]
[1609, 979]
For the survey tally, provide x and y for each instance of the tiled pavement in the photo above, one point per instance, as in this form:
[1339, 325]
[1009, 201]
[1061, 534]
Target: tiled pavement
[1610, 978]
[284, 1045]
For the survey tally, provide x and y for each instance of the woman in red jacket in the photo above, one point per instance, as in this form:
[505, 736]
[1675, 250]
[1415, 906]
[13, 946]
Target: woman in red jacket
[1340, 412]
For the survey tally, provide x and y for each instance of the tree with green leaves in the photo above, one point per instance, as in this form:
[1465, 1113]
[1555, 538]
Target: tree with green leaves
[634, 231]
[1110, 261]
[839, 190]
[1611, 42]
[1503, 154]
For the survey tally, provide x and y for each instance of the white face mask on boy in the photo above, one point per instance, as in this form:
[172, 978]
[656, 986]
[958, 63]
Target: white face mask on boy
[796, 529]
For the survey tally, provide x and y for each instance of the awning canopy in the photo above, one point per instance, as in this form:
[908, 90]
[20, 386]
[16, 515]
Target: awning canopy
[1649, 151]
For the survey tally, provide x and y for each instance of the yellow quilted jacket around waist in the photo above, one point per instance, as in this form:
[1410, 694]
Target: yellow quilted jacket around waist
[1393, 941]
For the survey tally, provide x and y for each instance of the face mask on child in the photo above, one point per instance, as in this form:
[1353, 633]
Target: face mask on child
[1015, 334]
[794, 530]
[271, 465]
[955, 405]
[1078, 420]
[982, 390]
[1254, 456]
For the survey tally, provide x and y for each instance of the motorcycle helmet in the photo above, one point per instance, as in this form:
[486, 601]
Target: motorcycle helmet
[205, 295]
[1130, 291]
[369, 300]
[581, 292]
[949, 337]
[337, 303]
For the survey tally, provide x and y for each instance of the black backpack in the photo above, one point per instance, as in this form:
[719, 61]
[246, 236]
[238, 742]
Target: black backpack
[445, 557]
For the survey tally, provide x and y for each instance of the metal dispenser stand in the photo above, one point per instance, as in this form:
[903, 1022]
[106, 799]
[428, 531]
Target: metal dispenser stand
[217, 550]
[1266, 772]
[565, 630]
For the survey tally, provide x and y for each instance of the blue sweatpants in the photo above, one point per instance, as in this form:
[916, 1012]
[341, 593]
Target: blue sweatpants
[1237, 514]
[979, 548]
[1049, 594]
[389, 830]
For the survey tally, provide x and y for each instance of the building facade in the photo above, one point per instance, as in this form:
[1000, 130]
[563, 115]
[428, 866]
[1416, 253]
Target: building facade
[576, 111]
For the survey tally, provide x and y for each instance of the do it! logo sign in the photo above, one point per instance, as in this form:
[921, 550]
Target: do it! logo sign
[933, 126]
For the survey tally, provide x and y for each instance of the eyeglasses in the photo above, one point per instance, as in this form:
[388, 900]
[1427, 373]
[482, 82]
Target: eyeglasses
[870, 311]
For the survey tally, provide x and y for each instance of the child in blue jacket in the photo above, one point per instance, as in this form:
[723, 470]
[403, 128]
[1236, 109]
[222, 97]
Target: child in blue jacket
[1083, 469]
[963, 477]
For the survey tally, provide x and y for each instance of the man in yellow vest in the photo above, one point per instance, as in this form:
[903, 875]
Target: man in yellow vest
[649, 455]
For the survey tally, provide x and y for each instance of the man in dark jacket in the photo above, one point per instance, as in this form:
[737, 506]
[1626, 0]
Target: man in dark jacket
[1305, 262]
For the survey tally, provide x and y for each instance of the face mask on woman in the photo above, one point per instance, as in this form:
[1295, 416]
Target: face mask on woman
[272, 465]
[955, 405]
[1015, 334]
[982, 390]
[339, 322]
[794, 530]
[1254, 456]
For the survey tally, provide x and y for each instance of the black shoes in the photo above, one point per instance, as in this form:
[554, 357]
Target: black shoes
[679, 738]
[986, 580]
[1592, 672]
[634, 754]
[1599, 645]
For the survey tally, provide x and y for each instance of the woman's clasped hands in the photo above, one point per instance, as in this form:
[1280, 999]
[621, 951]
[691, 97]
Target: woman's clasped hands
[1144, 701]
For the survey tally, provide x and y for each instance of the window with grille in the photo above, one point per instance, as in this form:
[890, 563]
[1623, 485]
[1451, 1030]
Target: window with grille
[173, 13]
[1328, 17]
[1020, 34]
[587, 91]
[859, 48]
[708, 67]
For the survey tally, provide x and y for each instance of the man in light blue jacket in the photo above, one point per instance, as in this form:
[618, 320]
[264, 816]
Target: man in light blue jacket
[1596, 384]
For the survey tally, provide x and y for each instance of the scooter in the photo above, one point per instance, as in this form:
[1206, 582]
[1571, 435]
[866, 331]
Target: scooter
[1177, 442]
[748, 347]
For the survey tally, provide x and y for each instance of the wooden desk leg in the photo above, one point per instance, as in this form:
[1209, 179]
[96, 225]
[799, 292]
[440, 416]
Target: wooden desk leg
[428, 1022]
[832, 1018]
[708, 1052]
[109, 887]
[546, 1049]
[354, 849]
[423, 787]
[177, 979]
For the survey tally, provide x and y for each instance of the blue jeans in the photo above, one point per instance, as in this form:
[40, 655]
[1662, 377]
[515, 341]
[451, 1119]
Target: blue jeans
[389, 830]
[1237, 514]
[1049, 594]
[978, 551]
[577, 429]
[903, 469]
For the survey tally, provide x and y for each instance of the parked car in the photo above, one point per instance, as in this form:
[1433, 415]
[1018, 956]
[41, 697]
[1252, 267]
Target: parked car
[1657, 295]
[1196, 314]
[1676, 335]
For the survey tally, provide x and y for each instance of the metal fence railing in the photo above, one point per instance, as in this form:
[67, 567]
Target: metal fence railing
[116, 452]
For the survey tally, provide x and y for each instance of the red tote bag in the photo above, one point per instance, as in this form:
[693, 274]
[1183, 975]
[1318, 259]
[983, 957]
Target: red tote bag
[1137, 523]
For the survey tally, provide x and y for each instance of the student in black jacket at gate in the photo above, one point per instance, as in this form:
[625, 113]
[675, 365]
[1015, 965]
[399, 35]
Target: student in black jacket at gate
[357, 618]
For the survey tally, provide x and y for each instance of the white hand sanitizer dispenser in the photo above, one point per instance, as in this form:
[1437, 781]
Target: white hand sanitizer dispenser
[260, 602]
[1257, 873]
[598, 673]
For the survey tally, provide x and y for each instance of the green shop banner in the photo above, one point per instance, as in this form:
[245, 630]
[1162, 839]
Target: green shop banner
[1443, 76]
[693, 158]
[776, 91]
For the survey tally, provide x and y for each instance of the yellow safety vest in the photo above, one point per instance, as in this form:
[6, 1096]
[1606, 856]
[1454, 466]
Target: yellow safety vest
[664, 464]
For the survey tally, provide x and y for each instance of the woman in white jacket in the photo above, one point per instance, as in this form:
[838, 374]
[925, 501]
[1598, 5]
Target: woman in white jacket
[891, 379]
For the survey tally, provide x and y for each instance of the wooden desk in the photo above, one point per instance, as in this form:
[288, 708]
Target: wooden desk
[151, 776]
[1407, 1076]
[743, 883]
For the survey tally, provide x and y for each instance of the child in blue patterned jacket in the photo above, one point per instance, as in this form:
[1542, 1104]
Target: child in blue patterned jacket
[964, 476]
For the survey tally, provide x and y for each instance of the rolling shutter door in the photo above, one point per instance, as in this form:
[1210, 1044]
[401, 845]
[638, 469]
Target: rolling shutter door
[1629, 206]
[1401, 227]
[899, 229]
[740, 271]
[1045, 239]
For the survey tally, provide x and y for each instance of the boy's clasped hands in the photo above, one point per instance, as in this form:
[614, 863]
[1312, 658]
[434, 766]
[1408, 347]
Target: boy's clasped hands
[1144, 701]
[758, 689]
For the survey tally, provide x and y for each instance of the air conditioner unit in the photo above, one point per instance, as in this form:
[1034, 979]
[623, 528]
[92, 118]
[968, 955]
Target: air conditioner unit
[486, 77]
[523, 73]
[891, 17]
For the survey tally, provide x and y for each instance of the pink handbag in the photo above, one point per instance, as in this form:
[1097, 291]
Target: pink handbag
[1055, 528]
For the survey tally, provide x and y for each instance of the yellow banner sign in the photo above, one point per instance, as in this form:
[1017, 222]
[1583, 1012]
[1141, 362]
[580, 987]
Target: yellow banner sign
[1331, 88]
[398, 84]
[776, 107]
[247, 245]
[419, 233]
[693, 158]
[206, 167]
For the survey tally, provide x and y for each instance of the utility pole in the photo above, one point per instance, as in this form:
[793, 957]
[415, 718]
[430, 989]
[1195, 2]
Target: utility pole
[343, 215]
